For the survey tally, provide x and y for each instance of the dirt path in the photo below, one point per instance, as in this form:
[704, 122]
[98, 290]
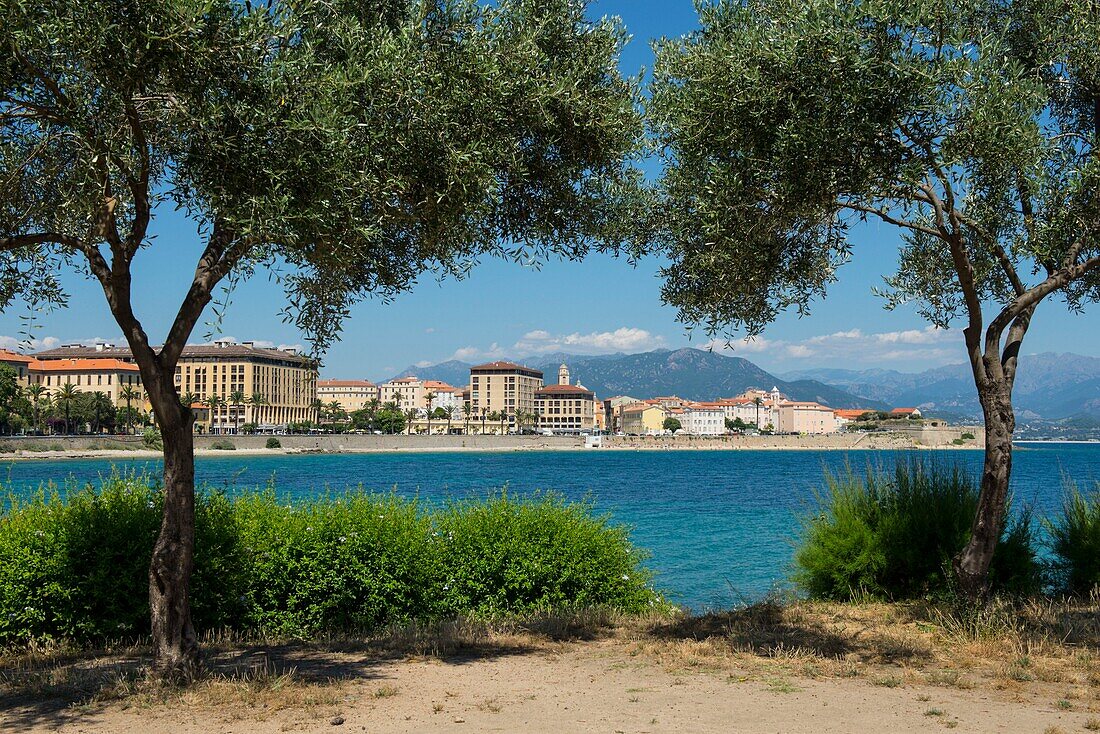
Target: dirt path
[598, 686]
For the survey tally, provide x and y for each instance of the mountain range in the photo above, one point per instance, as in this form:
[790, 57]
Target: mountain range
[1049, 386]
[692, 374]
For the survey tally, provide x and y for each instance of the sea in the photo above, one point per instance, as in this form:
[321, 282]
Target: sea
[719, 526]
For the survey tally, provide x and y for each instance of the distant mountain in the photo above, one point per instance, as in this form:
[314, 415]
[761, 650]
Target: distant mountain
[1049, 386]
[692, 374]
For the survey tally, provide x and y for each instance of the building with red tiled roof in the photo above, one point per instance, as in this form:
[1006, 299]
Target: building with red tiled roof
[18, 362]
[567, 408]
[906, 413]
[106, 375]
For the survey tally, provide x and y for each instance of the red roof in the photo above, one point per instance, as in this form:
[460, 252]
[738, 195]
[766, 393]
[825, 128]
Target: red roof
[563, 390]
[851, 414]
[6, 355]
[903, 411]
[82, 365]
[438, 386]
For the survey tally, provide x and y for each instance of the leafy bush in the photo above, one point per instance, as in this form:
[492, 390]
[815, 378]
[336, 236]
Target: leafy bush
[74, 564]
[273, 443]
[968, 436]
[223, 444]
[152, 439]
[78, 567]
[894, 536]
[1075, 541]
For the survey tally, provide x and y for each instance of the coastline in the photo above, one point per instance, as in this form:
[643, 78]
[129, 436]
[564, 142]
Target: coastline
[350, 445]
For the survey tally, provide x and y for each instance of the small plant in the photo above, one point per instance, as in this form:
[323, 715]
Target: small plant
[968, 436]
[934, 712]
[893, 535]
[223, 445]
[273, 443]
[1093, 724]
[1075, 540]
[151, 439]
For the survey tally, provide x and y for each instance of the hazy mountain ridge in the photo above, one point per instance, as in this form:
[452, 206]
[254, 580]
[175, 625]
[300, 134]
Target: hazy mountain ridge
[1049, 386]
[693, 374]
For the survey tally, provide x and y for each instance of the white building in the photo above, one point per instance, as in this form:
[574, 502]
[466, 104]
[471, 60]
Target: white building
[703, 419]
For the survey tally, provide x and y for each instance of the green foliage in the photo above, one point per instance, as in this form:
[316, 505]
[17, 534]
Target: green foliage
[969, 124]
[74, 564]
[273, 443]
[893, 536]
[389, 420]
[223, 444]
[152, 439]
[418, 138]
[672, 424]
[968, 436]
[1075, 541]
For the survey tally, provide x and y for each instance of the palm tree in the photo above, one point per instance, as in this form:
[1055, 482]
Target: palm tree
[99, 408]
[467, 411]
[213, 402]
[35, 393]
[757, 402]
[256, 402]
[317, 406]
[493, 418]
[129, 394]
[410, 416]
[66, 398]
[429, 397]
[450, 415]
[372, 411]
[335, 412]
[484, 413]
[237, 400]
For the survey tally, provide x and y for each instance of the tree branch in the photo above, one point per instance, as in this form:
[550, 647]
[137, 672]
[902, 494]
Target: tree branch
[890, 219]
[40, 238]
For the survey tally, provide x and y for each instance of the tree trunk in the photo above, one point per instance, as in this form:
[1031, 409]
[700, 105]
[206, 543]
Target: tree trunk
[176, 653]
[973, 562]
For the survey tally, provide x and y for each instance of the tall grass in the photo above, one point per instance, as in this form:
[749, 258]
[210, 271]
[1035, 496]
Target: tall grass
[893, 535]
[74, 565]
[1074, 539]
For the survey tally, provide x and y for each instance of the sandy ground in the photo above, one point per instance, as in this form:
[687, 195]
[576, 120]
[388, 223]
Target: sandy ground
[593, 686]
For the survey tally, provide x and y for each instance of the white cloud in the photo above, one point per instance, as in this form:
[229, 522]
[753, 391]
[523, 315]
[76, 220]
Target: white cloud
[623, 339]
[927, 335]
[540, 341]
[799, 351]
[424, 363]
[429, 330]
[748, 345]
[16, 344]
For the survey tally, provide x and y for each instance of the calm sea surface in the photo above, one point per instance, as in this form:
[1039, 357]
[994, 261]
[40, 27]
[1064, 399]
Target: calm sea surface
[719, 524]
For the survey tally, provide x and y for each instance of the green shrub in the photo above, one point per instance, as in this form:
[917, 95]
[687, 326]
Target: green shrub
[273, 443]
[151, 438]
[968, 436]
[74, 564]
[77, 567]
[893, 536]
[1075, 541]
[223, 444]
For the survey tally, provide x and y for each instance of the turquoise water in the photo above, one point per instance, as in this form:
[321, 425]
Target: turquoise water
[719, 524]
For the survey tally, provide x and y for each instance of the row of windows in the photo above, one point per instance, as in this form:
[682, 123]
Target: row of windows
[90, 380]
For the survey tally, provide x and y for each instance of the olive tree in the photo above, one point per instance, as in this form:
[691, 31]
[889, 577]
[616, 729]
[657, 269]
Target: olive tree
[969, 125]
[343, 147]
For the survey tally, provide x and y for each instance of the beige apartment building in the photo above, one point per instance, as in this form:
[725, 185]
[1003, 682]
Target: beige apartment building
[352, 395]
[503, 387]
[566, 408]
[284, 381]
[643, 419]
[108, 376]
[405, 392]
[803, 417]
[20, 363]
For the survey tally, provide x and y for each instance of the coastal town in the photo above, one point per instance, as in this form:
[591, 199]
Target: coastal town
[237, 388]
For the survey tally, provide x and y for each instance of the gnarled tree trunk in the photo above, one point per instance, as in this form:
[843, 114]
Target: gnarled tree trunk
[175, 644]
[973, 562]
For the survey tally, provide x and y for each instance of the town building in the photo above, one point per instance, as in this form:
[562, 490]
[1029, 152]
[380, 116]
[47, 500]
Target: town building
[20, 363]
[566, 408]
[612, 411]
[503, 388]
[352, 395]
[405, 392]
[803, 417]
[643, 419]
[279, 386]
[108, 376]
[443, 396]
[703, 419]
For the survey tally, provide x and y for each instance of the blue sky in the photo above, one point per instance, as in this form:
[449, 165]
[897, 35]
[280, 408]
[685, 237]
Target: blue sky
[597, 306]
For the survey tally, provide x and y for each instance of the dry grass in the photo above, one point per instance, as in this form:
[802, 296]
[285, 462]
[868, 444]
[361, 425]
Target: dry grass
[1044, 648]
[1040, 645]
